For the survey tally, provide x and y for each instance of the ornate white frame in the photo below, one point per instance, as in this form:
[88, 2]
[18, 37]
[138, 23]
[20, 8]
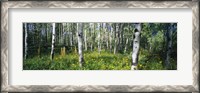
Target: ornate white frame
[5, 87]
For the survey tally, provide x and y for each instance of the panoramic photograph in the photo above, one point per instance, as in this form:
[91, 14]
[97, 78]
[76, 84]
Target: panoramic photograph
[99, 46]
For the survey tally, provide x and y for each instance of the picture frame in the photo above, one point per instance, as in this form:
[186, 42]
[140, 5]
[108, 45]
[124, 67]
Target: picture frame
[6, 5]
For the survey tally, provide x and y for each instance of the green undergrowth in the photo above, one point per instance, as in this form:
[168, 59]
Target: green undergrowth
[95, 61]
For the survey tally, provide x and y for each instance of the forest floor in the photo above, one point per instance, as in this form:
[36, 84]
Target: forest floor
[94, 61]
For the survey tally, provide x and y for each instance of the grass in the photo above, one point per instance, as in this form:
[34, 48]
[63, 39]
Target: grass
[93, 61]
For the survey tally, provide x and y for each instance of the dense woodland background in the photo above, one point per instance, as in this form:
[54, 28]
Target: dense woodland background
[99, 46]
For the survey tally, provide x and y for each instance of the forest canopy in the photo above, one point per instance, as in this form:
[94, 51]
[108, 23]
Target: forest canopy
[99, 46]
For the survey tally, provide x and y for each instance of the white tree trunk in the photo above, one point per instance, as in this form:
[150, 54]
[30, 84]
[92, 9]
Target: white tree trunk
[80, 43]
[92, 31]
[64, 35]
[111, 33]
[53, 41]
[126, 45]
[63, 39]
[116, 40]
[71, 36]
[26, 43]
[72, 30]
[76, 38]
[85, 39]
[136, 46]
[107, 37]
[99, 38]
